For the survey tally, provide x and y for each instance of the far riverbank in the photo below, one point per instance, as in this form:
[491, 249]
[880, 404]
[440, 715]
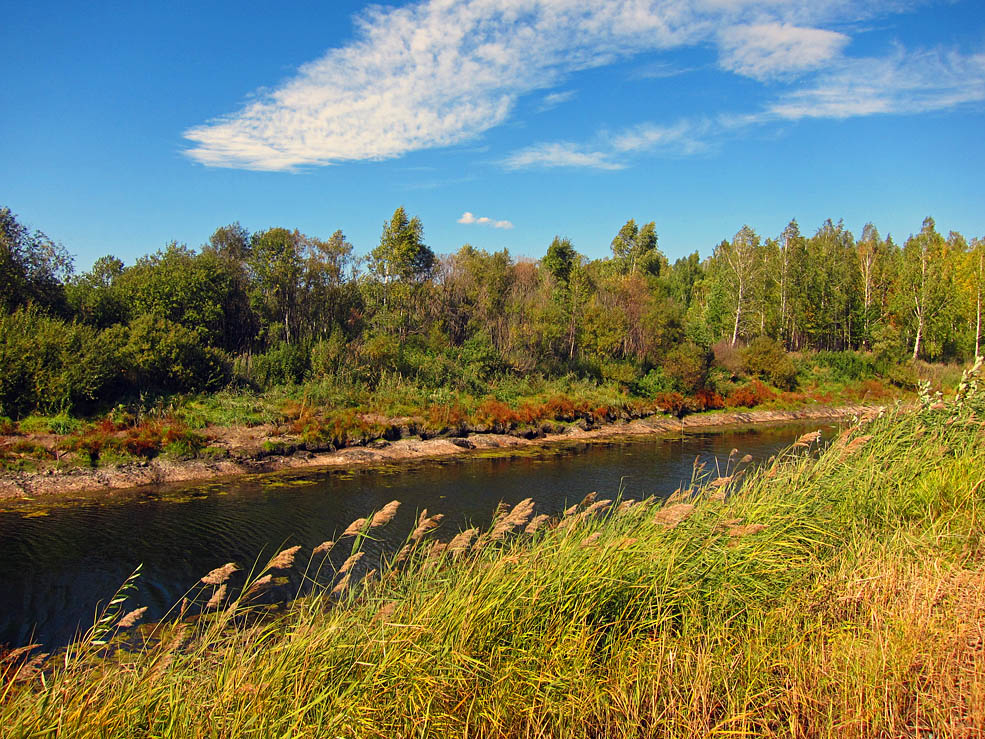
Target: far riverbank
[250, 452]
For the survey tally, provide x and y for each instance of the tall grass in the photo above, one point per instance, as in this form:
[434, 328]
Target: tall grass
[831, 594]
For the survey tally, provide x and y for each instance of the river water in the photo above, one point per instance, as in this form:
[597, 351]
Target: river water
[57, 565]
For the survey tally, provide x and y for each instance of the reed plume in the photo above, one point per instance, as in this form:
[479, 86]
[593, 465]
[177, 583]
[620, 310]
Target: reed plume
[354, 528]
[461, 543]
[220, 574]
[383, 516]
[425, 524]
[348, 564]
[131, 618]
[625, 505]
[597, 507]
[809, 438]
[259, 585]
[217, 597]
[517, 517]
[591, 539]
[536, 522]
[324, 548]
[284, 560]
[671, 516]
[342, 584]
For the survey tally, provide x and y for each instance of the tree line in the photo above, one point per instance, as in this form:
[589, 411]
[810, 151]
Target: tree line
[278, 306]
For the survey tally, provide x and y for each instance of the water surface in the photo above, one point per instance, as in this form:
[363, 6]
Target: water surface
[56, 565]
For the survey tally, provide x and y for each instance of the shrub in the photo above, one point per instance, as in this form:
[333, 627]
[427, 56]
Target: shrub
[285, 364]
[162, 355]
[48, 365]
[687, 367]
[653, 383]
[752, 394]
[847, 366]
[727, 357]
[766, 359]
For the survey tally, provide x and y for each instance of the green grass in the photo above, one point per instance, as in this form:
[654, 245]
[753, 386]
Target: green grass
[838, 594]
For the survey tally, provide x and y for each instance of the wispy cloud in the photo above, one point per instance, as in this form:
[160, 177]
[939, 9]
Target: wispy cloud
[768, 50]
[469, 218]
[438, 73]
[560, 154]
[555, 99]
[918, 82]
[901, 83]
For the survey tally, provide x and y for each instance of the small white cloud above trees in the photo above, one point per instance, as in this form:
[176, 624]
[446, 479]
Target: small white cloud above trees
[468, 218]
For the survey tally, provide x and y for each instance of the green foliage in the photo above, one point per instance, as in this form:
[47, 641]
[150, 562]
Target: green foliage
[847, 366]
[167, 356]
[33, 268]
[402, 254]
[686, 365]
[49, 365]
[284, 364]
[766, 359]
[654, 383]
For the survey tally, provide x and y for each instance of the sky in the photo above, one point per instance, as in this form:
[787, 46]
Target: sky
[500, 123]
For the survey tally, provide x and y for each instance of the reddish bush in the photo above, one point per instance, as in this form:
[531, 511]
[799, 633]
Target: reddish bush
[560, 408]
[495, 413]
[752, 394]
[707, 400]
[672, 403]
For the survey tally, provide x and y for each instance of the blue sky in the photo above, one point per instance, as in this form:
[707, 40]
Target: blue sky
[499, 122]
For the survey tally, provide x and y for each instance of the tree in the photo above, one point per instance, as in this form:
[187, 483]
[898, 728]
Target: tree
[95, 296]
[926, 291]
[560, 259]
[737, 266]
[276, 268]
[976, 273]
[635, 249]
[32, 267]
[402, 253]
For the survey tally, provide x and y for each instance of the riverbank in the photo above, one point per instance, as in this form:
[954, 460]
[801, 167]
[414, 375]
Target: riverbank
[832, 594]
[257, 449]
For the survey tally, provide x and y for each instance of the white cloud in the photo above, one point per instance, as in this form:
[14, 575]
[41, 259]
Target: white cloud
[767, 50]
[555, 99]
[469, 218]
[560, 154]
[900, 83]
[440, 72]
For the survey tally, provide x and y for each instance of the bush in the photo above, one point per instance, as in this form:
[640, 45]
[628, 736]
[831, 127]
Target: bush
[847, 366]
[285, 364]
[653, 383]
[687, 367]
[766, 359]
[48, 365]
[750, 395]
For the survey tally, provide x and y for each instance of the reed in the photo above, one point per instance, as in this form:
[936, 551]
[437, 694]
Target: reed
[829, 594]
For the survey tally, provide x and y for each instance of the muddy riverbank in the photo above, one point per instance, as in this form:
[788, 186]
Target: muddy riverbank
[251, 457]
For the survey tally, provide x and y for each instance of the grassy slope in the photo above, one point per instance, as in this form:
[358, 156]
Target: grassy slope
[833, 596]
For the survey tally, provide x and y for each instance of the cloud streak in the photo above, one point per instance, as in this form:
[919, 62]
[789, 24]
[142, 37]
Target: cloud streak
[439, 73]
[904, 82]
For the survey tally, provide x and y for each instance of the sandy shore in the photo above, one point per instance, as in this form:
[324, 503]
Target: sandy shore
[14, 485]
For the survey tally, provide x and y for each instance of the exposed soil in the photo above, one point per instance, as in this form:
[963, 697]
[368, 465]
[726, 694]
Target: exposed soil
[250, 450]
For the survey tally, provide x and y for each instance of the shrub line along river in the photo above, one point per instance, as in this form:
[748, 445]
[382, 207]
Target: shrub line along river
[59, 563]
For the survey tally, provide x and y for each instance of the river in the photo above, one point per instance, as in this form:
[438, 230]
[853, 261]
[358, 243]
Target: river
[58, 563]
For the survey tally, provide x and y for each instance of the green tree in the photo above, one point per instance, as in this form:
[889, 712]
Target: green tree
[560, 259]
[33, 268]
[635, 249]
[926, 291]
[402, 253]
